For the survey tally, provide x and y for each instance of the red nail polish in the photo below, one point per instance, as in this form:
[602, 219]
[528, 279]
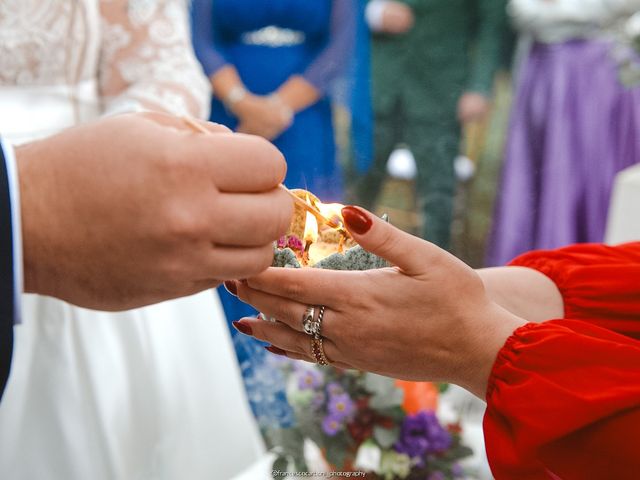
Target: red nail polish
[231, 287]
[243, 328]
[357, 221]
[275, 350]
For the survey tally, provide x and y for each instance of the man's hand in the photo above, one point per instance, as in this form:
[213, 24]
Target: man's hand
[397, 18]
[473, 107]
[136, 209]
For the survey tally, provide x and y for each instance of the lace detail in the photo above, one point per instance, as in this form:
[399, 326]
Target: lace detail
[40, 41]
[138, 51]
[147, 60]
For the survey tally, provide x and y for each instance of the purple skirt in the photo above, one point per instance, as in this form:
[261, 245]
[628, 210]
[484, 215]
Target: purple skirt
[573, 127]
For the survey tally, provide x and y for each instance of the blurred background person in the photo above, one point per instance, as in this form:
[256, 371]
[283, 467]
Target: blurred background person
[273, 65]
[574, 125]
[148, 393]
[433, 64]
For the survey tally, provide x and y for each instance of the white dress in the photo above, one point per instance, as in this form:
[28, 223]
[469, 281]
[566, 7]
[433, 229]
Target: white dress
[153, 393]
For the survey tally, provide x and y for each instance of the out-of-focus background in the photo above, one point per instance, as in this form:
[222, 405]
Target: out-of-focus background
[488, 127]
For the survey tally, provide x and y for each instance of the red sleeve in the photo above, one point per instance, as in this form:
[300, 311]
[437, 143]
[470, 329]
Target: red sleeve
[598, 283]
[564, 402]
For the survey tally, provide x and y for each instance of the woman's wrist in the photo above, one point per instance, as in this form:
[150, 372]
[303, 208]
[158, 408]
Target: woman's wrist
[297, 93]
[285, 109]
[477, 358]
[234, 96]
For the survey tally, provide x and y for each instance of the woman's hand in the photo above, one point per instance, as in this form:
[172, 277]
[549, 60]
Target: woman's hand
[262, 116]
[427, 318]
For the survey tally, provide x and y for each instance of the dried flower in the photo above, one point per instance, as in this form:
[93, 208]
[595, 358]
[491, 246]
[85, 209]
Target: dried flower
[295, 244]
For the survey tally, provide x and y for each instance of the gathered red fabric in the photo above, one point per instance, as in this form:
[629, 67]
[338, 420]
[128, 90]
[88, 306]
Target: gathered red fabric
[563, 399]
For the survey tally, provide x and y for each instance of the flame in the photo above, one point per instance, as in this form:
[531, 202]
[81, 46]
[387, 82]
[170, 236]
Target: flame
[310, 227]
[332, 211]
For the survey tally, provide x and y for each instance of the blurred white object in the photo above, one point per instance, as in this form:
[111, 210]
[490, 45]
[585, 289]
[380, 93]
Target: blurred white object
[464, 167]
[402, 164]
[624, 211]
[151, 393]
[374, 14]
[458, 405]
[632, 28]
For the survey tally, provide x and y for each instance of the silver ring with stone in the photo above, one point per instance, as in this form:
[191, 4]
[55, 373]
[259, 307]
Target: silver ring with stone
[308, 320]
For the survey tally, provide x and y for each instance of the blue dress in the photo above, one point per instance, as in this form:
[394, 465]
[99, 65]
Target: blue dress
[319, 42]
[322, 36]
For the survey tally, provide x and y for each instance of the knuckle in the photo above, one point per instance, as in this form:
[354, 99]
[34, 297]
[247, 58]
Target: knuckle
[182, 223]
[291, 289]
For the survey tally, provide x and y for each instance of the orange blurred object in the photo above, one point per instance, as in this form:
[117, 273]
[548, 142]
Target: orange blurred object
[418, 396]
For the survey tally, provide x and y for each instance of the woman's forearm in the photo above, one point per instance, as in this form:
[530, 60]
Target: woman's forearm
[297, 93]
[225, 81]
[525, 292]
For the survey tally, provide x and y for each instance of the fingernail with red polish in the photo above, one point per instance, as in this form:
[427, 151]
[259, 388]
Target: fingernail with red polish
[231, 287]
[243, 328]
[275, 350]
[357, 221]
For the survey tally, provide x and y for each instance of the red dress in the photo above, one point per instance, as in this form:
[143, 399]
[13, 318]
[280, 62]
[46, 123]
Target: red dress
[563, 399]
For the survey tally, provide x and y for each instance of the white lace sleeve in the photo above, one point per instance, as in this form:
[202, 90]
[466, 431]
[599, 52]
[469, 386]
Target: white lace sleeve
[147, 61]
[559, 20]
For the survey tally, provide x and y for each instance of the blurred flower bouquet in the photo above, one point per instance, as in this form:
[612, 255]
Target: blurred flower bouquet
[628, 52]
[365, 422]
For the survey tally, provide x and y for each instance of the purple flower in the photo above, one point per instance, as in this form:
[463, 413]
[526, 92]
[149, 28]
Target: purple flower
[437, 476]
[457, 470]
[318, 400]
[421, 434]
[309, 378]
[341, 406]
[331, 425]
[334, 388]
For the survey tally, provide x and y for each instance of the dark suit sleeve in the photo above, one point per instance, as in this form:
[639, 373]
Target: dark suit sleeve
[6, 276]
[489, 43]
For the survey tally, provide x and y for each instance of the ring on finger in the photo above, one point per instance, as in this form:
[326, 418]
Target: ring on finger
[263, 317]
[308, 320]
[318, 323]
[317, 350]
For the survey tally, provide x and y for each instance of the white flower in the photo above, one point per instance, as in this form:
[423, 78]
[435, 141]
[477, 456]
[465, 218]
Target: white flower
[368, 457]
[632, 27]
